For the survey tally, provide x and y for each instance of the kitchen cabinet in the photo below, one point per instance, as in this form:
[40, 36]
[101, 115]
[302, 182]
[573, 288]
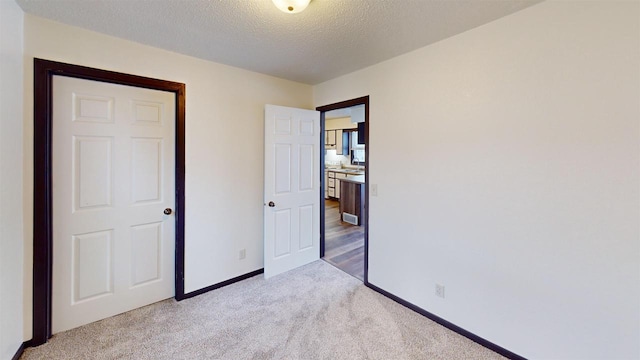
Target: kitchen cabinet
[326, 184]
[337, 184]
[330, 139]
[339, 150]
[334, 139]
[332, 185]
[334, 180]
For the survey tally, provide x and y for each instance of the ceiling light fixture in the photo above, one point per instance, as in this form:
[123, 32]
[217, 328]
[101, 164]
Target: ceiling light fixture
[291, 6]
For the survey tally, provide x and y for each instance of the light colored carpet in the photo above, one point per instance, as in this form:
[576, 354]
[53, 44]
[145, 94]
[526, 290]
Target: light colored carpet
[314, 312]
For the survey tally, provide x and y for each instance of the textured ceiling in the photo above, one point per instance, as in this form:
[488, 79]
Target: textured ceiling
[330, 38]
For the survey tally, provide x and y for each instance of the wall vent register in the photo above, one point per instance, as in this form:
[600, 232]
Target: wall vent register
[350, 218]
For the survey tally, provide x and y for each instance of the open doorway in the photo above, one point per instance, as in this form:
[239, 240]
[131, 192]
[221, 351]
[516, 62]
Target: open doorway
[344, 194]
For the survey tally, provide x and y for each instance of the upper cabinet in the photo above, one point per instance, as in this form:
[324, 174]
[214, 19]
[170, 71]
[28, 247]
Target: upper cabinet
[330, 139]
[339, 146]
[334, 139]
[337, 135]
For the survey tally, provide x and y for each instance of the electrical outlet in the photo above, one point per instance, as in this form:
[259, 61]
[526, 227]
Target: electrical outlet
[440, 290]
[242, 254]
[374, 189]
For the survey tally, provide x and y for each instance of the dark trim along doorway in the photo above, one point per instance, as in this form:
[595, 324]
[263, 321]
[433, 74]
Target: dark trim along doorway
[341, 105]
[44, 70]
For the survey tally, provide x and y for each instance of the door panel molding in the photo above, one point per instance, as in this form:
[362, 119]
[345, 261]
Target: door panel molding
[291, 231]
[44, 70]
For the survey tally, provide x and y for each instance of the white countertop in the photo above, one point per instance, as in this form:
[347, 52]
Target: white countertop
[347, 171]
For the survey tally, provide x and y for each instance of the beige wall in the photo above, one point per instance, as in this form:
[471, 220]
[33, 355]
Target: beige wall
[515, 144]
[11, 220]
[507, 164]
[224, 143]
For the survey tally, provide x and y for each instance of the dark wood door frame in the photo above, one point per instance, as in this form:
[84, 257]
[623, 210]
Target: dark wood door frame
[341, 105]
[44, 70]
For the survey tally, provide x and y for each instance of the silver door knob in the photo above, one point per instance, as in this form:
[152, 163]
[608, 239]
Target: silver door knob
[272, 204]
[167, 211]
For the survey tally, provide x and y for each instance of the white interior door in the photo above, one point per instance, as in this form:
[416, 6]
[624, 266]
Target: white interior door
[113, 177]
[292, 188]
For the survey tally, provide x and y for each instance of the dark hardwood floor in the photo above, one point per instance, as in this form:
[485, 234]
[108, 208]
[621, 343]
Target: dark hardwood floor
[344, 243]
